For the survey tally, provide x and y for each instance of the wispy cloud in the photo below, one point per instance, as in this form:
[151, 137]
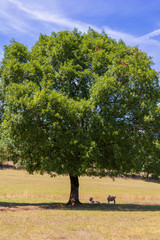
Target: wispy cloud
[10, 20]
[63, 21]
[150, 35]
[58, 19]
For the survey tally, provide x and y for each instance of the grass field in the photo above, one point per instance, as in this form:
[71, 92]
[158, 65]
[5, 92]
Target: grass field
[32, 208]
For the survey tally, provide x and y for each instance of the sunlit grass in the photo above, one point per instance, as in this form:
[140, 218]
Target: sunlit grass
[31, 208]
[19, 185]
[49, 224]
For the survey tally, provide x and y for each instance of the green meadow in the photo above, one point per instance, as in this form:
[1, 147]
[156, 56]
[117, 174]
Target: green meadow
[32, 207]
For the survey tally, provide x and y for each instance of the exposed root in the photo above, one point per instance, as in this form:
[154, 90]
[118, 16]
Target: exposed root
[72, 203]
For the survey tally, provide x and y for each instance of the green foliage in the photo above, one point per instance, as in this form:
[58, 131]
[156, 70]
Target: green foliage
[79, 104]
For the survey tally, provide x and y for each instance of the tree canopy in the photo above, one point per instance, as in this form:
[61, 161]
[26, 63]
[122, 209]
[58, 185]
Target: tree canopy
[79, 104]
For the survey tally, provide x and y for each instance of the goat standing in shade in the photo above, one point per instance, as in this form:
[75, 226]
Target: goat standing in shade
[111, 199]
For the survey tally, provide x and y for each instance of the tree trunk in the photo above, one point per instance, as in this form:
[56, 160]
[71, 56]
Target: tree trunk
[74, 194]
[1, 165]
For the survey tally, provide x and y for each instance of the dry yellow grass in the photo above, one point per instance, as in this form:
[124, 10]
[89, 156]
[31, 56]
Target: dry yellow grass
[31, 208]
[61, 224]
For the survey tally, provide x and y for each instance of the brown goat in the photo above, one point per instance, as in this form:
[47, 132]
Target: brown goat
[111, 199]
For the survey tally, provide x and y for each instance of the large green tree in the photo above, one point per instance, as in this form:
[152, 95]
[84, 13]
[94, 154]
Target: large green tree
[78, 104]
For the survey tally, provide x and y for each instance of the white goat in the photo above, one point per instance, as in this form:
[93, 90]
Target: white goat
[93, 202]
[111, 199]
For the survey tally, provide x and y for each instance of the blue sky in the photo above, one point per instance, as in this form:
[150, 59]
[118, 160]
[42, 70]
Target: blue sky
[136, 22]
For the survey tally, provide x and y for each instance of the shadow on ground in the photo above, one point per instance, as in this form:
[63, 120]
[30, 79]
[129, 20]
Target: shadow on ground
[6, 206]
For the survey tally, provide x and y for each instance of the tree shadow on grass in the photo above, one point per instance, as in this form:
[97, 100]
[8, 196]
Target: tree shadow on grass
[8, 206]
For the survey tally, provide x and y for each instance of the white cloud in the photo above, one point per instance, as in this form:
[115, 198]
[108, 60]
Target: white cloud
[61, 20]
[57, 19]
[150, 35]
[10, 20]
[46, 16]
